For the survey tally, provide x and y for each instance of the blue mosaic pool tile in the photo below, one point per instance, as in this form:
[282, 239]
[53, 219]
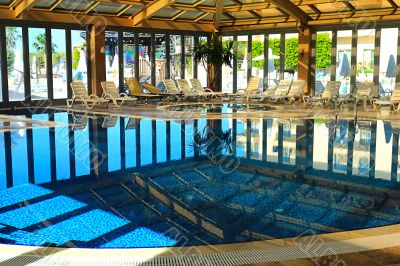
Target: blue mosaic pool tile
[376, 221]
[358, 200]
[391, 206]
[306, 212]
[141, 237]
[191, 198]
[168, 182]
[218, 191]
[138, 191]
[343, 220]
[138, 213]
[21, 193]
[87, 198]
[192, 177]
[114, 194]
[41, 211]
[247, 199]
[326, 194]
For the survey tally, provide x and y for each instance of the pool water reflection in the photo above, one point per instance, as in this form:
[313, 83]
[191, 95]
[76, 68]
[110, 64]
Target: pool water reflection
[77, 184]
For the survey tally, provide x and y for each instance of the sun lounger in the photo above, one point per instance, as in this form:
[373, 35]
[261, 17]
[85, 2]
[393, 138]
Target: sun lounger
[110, 92]
[80, 95]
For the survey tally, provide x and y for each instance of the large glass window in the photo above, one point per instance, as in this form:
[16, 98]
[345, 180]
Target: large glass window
[112, 59]
[128, 47]
[388, 60]
[323, 60]
[291, 55]
[160, 59]
[227, 72]
[242, 43]
[144, 57]
[79, 59]
[189, 60]
[37, 63]
[15, 64]
[257, 57]
[365, 55]
[274, 45]
[59, 61]
[201, 68]
[343, 60]
[175, 56]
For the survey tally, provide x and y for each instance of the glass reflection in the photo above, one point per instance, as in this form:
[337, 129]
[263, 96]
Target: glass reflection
[341, 148]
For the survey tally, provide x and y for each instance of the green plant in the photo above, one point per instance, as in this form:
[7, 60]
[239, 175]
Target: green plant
[292, 54]
[213, 55]
[323, 50]
[257, 49]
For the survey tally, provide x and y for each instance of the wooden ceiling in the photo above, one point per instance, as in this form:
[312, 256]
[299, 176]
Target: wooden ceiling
[203, 15]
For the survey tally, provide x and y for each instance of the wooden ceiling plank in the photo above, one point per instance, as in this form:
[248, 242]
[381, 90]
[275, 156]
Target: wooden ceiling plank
[149, 10]
[24, 6]
[293, 10]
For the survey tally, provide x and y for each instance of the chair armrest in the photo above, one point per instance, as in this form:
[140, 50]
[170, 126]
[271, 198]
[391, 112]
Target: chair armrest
[208, 89]
[122, 94]
[93, 96]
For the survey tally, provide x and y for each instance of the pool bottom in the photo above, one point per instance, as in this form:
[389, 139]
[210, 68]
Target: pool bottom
[193, 206]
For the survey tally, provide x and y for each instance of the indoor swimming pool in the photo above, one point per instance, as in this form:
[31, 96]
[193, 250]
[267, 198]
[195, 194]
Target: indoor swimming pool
[91, 181]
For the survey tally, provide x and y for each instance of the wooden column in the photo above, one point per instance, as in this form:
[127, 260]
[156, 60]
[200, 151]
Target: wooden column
[305, 66]
[97, 59]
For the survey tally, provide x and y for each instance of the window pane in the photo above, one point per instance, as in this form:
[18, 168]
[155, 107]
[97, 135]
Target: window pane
[144, 58]
[160, 59]
[242, 62]
[15, 64]
[257, 58]
[388, 60]
[37, 63]
[79, 60]
[227, 72]
[274, 45]
[365, 55]
[128, 45]
[201, 69]
[112, 60]
[60, 86]
[175, 56]
[189, 60]
[291, 55]
[323, 60]
[343, 60]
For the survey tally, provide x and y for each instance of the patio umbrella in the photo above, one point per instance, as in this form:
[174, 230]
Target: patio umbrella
[387, 126]
[33, 68]
[345, 66]
[82, 66]
[114, 65]
[391, 68]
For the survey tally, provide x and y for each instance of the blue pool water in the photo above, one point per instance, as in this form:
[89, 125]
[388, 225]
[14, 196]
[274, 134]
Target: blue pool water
[109, 182]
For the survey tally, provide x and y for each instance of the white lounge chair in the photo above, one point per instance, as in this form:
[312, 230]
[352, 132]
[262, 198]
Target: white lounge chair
[250, 90]
[393, 101]
[171, 88]
[205, 92]
[274, 92]
[296, 91]
[110, 92]
[330, 94]
[80, 95]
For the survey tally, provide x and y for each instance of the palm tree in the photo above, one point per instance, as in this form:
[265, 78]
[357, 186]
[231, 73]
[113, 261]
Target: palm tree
[213, 56]
[12, 37]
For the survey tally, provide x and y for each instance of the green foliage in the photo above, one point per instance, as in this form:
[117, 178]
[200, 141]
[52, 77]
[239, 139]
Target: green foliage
[12, 37]
[257, 49]
[323, 50]
[275, 46]
[75, 58]
[292, 54]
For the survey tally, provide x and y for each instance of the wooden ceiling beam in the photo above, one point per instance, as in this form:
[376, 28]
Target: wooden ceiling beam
[24, 6]
[149, 10]
[393, 4]
[293, 10]
[219, 6]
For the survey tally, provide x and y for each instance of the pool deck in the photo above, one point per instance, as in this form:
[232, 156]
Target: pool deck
[375, 246]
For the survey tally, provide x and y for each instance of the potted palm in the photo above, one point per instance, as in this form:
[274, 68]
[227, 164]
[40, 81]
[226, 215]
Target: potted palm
[213, 55]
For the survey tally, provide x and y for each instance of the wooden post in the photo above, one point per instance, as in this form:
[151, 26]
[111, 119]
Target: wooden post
[305, 66]
[97, 58]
